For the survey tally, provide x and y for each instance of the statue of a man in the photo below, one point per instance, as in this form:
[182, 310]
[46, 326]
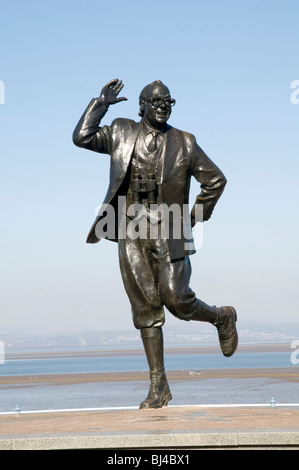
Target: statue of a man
[151, 165]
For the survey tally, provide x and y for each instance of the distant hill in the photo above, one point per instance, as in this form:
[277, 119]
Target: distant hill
[192, 334]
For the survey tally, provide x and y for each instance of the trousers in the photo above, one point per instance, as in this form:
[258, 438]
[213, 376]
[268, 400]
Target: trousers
[153, 281]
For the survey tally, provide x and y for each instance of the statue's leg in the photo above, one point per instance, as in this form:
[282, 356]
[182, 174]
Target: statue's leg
[141, 283]
[159, 393]
[139, 275]
[181, 301]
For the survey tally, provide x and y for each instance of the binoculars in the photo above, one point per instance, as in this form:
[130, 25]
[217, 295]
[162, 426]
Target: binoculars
[144, 188]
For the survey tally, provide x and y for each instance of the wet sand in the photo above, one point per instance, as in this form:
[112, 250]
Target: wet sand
[290, 374]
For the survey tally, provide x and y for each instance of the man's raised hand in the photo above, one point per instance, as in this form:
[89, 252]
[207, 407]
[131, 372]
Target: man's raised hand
[110, 91]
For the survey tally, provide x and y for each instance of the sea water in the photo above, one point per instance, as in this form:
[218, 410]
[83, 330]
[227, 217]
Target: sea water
[76, 365]
[129, 393]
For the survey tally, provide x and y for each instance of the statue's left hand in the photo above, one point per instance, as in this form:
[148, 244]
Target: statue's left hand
[110, 91]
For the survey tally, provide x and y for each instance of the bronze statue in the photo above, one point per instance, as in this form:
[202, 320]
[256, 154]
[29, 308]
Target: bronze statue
[151, 166]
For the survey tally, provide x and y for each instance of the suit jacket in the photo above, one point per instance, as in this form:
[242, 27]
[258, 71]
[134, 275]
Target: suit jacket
[182, 157]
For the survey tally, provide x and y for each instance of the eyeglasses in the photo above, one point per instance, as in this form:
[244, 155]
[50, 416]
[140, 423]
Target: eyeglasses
[156, 101]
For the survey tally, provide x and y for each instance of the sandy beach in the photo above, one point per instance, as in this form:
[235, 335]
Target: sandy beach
[290, 374]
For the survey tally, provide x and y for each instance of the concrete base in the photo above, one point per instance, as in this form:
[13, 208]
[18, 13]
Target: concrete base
[180, 441]
[186, 427]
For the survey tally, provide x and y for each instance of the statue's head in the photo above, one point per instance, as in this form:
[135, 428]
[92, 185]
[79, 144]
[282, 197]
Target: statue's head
[155, 103]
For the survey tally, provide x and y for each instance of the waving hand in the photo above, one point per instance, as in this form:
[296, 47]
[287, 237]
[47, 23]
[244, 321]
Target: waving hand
[110, 91]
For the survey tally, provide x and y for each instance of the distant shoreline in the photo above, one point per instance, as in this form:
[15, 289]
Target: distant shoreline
[177, 350]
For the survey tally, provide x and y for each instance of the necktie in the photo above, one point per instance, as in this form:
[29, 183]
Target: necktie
[152, 143]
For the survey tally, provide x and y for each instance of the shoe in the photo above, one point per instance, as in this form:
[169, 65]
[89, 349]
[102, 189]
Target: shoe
[227, 331]
[159, 394]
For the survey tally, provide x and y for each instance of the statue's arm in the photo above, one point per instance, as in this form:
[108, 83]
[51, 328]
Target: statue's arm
[87, 133]
[212, 182]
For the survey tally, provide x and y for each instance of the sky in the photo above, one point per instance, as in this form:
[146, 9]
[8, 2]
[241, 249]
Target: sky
[230, 66]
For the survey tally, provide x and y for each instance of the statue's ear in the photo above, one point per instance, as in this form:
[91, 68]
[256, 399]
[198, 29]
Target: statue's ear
[141, 106]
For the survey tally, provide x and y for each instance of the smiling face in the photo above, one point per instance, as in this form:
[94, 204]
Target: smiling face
[155, 104]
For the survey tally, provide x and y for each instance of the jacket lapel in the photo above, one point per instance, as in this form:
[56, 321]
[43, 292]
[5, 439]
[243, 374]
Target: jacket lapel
[129, 144]
[171, 150]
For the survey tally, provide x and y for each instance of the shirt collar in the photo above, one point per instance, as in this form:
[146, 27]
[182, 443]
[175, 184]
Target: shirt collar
[148, 129]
